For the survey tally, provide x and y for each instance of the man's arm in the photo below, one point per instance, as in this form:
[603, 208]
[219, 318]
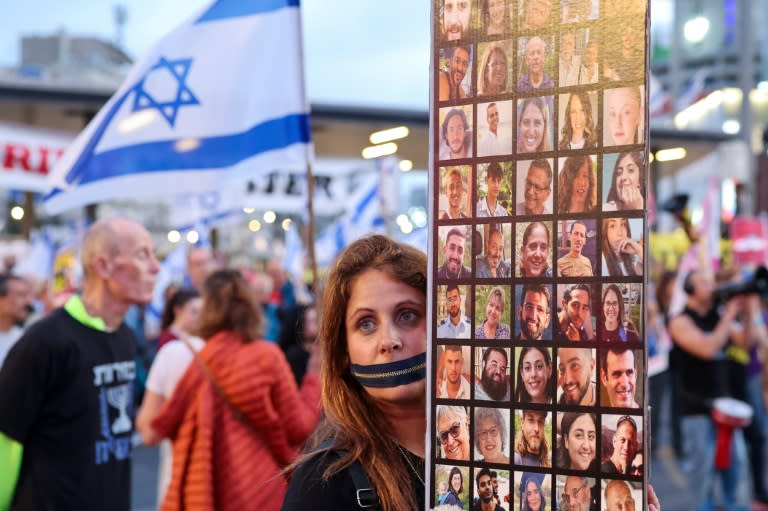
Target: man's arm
[702, 344]
[10, 466]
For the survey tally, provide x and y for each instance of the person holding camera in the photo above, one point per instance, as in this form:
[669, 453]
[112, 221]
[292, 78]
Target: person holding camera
[702, 333]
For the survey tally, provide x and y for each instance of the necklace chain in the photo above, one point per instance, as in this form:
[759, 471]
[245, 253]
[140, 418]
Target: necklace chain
[410, 464]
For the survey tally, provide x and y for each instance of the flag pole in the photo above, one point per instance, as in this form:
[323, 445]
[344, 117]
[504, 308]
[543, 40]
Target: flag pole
[309, 241]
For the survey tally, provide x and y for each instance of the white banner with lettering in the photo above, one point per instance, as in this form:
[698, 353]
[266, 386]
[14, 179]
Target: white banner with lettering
[27, 153]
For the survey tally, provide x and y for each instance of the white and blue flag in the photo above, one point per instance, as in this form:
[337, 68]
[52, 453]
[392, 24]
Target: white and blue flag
[220, 98]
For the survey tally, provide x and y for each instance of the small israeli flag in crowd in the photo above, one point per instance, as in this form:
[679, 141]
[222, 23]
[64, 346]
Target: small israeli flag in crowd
[219, 98]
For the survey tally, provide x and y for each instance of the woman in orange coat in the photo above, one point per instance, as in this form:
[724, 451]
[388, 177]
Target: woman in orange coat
[236, 417]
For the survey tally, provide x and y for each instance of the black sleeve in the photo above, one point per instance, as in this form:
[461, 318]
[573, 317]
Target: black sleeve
[308, 491]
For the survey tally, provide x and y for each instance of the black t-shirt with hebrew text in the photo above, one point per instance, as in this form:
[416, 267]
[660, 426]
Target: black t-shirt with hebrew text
[66, 394]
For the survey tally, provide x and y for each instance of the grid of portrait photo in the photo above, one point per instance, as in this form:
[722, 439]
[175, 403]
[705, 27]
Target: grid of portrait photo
[540, 153]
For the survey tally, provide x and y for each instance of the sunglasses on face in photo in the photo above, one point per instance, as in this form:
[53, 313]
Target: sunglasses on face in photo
[454, 431]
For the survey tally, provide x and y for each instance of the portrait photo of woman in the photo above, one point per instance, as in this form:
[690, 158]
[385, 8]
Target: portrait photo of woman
[615, 324]
[533, 127]
[534, 375]
[622, 255]
[534, 488]
[578, 129]
[491, 306]
[577, 185]
[495, 70]
[623, 116]
[495, 16]
[492, 435]
[577, 441]
[625, 185]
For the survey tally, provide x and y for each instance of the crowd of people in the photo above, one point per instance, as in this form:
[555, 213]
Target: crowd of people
[333, 409]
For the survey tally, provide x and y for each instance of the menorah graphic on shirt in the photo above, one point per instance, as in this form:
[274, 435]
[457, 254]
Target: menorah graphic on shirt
[120, 397]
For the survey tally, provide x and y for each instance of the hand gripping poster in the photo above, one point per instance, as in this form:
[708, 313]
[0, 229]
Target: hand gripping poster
[538, 193]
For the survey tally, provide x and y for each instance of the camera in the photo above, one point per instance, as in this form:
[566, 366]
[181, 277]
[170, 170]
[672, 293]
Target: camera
[756, 284]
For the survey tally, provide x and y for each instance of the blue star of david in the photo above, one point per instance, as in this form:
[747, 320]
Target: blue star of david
[178, 69]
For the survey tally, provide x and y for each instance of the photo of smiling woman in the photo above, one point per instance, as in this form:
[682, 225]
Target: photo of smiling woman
[578, 123]
[615, 325]
[534, 375]
[625, 186]
[492, 435]
[495, 70]
[533, 127]
[491, 305]
[577, 441]
[495, 16]
[452, 485]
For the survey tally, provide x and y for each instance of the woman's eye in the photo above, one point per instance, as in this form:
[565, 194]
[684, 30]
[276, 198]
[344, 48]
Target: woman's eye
[366, 325]
[409, 315]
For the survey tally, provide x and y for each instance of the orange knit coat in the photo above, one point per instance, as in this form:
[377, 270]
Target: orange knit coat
[218, 463]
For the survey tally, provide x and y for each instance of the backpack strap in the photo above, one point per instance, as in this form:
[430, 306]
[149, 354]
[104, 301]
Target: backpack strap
[364, 491]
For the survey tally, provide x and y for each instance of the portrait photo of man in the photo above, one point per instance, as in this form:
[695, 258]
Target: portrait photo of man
[579, 493]
[492, 190]
[456, 325]
[618, 376]
[535, 75]
[493, 382]
[453, 372]
[532, 448]
[456, 133]
[536, 14]
[454, 253]
[495, 129]
[534, 187]
[623, 434]
[534, 255]
[576, 376]
[622, 495]
[454, 82]
[574, 263]
[453, 200]
[456, 18]
[533, 312]
[491, 263]
[574, 320]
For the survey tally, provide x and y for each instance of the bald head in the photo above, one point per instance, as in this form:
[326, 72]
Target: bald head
[103, 239]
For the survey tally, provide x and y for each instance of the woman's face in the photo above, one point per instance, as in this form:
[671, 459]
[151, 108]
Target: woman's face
[535, 373]
[611, 306]
[385, 321]
[580, 189]
[578, 116]
[187, 314]
[532, 496]
[496, 12]
[496, 73]
[531, 128]
[627, 174]
[615, 232]
[580, 442]
[490, 440]
[623, 115]
[456, 482]
[493, 311]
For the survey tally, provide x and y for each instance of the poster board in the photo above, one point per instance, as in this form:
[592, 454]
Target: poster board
[539, 151]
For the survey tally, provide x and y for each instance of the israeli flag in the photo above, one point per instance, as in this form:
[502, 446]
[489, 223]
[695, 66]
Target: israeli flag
[219, 98]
